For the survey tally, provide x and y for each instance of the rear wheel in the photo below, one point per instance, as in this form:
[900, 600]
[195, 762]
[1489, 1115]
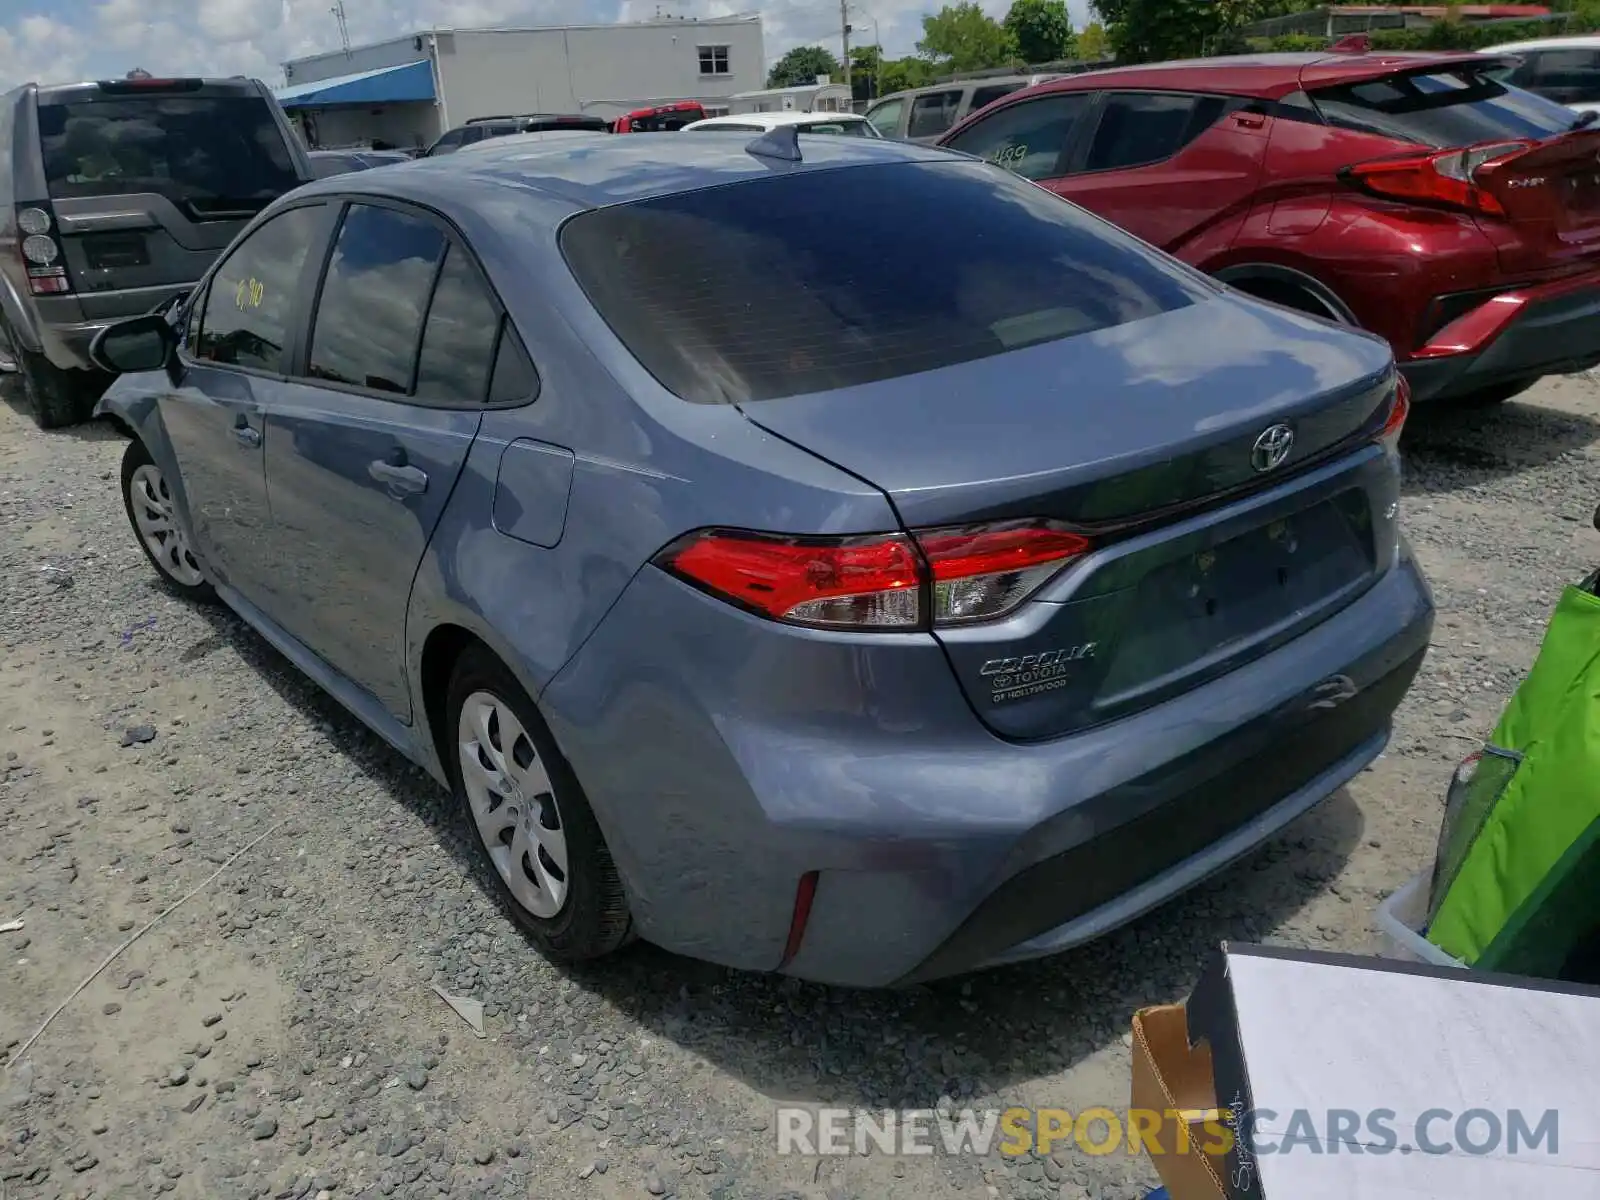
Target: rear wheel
[59, 398]
[8, 356]
[553, 871]
[1295, 296]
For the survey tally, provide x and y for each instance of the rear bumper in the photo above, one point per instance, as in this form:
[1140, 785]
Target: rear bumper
[726, 758]
[1547, 329]
[64, 334]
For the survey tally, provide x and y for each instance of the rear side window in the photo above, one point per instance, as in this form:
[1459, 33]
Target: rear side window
[837, 128]
[988, 95]
[1028, 138]
[204, 153]
[1140, 128]
[756, 290]
[373, 299]
[1459, 107]
[933, 113]
[250, 304]
[459, 339]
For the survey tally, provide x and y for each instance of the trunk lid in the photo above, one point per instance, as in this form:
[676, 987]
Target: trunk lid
[1143, 434]
[1551, 197]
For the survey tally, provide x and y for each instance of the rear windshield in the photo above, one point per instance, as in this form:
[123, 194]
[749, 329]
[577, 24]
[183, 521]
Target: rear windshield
[203, 152]
[826, 279]
[1458, 107]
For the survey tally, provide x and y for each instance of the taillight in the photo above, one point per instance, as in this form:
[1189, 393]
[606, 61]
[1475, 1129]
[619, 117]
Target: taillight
[893, 581]
[1399, 410]
[1447, 177]
[43, 262]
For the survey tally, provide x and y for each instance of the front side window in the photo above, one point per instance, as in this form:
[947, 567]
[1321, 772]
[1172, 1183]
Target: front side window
[933, 113]
[374, 295]
[250, 306]
[449, 143]
[1140, 128]
[458, 341]
[713, 60]
[1029, 138]
[1462, 106]
[940, 263]
[886, 117]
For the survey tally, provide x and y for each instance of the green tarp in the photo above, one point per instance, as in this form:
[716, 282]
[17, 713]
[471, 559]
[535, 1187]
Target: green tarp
[1517, 881]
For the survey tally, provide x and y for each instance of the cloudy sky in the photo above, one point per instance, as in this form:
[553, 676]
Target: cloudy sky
[56, 40]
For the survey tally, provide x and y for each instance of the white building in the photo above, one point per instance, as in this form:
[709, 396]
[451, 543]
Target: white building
[821, 96]
[410, 89]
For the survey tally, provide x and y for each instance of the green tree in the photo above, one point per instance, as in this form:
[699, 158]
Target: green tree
[1092, 42]
[962, 37]
[900, 74]
[802, 65]
[1041, 29]
[866, 73]
[1154, 30]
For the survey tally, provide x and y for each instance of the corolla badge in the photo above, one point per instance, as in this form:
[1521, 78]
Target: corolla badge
[1272, 447]
[1033, 674]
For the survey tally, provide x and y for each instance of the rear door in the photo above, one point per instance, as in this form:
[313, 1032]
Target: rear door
[1169, 166]
[150, 180]
[365, 445]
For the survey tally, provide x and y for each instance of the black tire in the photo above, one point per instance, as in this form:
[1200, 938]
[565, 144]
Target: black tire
[60, 399]
[593, 919]
[134, 458]
[1289, 295]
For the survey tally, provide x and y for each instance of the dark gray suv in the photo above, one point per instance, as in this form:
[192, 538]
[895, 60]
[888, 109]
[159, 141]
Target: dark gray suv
[114, 198]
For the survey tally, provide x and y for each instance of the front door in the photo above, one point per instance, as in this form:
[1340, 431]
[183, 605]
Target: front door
[364, 447]
[233, 352]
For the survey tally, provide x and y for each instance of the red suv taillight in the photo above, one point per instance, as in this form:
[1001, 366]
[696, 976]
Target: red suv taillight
[39, 245]
[1446, 177]
[892, 581]
[1399, 410]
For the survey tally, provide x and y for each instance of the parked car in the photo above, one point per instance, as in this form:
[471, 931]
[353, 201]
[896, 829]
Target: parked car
[922, 114]
[660, 118]
[543, 137]
[766, 585]
[114, 197]
[1413, 195]
[481, 128]
[1563, 69]
[846, 124]
[338, 162]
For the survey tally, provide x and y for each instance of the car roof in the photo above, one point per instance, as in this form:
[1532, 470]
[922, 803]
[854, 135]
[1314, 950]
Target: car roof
[1264, 75]
[956, 84]
[532, 139]
[772, 120]
[1576, 42]
[232, 85]
[607, 169]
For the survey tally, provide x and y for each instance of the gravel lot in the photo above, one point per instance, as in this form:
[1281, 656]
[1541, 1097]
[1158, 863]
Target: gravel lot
[277, 1035]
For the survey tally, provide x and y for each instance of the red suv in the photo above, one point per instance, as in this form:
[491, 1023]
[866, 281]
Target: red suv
[1410, 194]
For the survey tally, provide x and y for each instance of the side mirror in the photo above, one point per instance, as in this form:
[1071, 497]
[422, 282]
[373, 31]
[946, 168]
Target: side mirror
[139, 344]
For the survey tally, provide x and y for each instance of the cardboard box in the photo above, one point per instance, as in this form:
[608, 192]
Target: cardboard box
[1340, 1077]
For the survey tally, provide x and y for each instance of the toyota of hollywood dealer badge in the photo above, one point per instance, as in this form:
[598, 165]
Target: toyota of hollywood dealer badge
[1032, 674]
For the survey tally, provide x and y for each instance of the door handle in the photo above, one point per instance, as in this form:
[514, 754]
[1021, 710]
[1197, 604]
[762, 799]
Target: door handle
[398, 476]
[1249, 120]
[246, 435]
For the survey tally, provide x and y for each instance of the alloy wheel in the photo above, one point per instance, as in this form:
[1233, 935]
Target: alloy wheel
[513, 804]
[155, 518]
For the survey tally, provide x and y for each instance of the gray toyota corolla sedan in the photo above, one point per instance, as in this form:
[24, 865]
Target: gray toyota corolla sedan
[819, 555]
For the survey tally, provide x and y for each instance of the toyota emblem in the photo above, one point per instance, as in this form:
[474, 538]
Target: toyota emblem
[1271, 448]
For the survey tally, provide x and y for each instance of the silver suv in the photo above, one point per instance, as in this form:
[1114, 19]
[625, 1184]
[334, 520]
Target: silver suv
[922, 114]
[114, 198]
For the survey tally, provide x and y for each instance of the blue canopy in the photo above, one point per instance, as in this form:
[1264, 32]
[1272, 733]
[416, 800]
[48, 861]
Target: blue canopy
[407, 83]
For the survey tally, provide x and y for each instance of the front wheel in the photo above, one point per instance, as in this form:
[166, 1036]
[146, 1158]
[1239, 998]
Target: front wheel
[154, 517]
[553, 871]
